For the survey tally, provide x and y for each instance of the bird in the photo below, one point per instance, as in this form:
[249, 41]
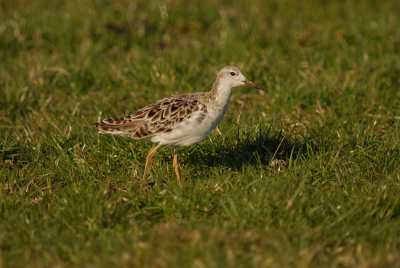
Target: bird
[179, 120]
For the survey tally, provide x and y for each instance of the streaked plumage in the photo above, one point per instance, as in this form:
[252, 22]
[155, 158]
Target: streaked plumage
[180, 120]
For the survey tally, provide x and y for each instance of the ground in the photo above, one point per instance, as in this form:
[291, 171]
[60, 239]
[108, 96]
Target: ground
[305, 174]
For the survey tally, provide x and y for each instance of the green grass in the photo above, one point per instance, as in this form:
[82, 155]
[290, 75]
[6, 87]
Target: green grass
[70, 197]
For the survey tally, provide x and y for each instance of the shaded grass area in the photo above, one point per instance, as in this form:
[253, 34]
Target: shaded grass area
[330, 116]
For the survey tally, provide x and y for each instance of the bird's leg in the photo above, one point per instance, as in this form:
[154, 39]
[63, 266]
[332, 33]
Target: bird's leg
[148, 160]
[176, 166]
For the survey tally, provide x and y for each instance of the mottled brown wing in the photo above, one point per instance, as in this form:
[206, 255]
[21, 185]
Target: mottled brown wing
[159, 117]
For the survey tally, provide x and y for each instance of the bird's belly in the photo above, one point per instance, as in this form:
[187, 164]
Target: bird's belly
[190, 131]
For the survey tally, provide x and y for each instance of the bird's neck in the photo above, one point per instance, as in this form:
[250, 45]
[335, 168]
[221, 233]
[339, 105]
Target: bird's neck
[221, 93]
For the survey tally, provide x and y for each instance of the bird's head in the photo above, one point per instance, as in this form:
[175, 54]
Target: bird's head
[232, 76]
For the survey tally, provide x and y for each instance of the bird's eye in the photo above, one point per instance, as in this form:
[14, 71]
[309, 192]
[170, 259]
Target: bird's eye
[233, 73]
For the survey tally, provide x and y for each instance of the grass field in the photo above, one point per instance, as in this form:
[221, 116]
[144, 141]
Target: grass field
[305, 174]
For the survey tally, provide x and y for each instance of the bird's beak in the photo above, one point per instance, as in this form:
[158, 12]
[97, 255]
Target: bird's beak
[249, 83]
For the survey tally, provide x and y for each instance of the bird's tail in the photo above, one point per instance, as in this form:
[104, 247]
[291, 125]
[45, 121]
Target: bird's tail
[120, 127]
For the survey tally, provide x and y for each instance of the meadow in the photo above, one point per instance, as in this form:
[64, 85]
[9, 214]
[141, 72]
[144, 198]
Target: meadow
[305, 174]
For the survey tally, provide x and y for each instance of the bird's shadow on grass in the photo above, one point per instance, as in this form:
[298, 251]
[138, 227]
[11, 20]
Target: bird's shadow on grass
[266, 148]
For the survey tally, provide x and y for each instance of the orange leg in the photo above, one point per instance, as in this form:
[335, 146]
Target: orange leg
[148, 160]
[176, 166]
